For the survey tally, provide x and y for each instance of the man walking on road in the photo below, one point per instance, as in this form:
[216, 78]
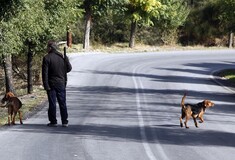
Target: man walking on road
[54, 75]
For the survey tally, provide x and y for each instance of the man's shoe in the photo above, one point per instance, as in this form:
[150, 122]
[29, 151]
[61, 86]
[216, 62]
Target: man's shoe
[65, 125]
[52, 125]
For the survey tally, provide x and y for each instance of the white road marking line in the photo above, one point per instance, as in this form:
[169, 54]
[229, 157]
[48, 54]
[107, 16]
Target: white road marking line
[160, 150]
[141, 121]
[148, 150]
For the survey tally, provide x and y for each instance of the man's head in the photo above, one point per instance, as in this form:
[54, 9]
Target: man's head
[51, 45]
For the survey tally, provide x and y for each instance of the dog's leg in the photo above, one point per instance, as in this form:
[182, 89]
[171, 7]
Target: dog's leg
[9, 115]
[20, 116]
[201, 120]
[13, 120]
[181, 123]
[200, 116]
[186, 120]
[181, 118]
[9, 119]
[195, 122]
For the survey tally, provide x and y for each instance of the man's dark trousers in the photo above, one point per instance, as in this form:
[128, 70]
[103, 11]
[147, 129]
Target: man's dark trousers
[58, 93]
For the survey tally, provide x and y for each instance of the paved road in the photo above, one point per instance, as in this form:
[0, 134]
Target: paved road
[126, 107]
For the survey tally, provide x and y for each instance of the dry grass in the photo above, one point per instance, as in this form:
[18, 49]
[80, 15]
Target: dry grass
[123, 47]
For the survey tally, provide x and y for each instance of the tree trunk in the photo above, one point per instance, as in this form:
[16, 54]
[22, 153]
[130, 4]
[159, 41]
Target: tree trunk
[69, 37]
[231, 39]
[132, 35]
[192, 2]
[29, 70]
[7, 65]
[86, 41]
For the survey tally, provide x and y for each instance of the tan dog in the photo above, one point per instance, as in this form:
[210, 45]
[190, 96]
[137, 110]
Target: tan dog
[195, 111]
[13, 104]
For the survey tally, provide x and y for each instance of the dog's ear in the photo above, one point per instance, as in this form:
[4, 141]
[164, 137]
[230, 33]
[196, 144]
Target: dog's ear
[9, 94]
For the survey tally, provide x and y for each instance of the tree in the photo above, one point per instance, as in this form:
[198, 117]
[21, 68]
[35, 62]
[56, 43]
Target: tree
[10, 40]
[32, 21]
[141, 11]
[27, 23]
[202, 25]
[88, 14]
[94, 7]
[173, 16]
[226, 16]
[45, 20]
[60, 14]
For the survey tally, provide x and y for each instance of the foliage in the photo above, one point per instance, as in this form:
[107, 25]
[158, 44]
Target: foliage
[59, 15]
[23, 21]
[110, 30]
[9, 35]
[227, 12]
[202, 25]
[93, 8]
[100, 7]
[171, 18]
[143, 10]
[10, 41]
[174, 14]
[34, 21]
[110, 26]
[9, 8]
[28, 24]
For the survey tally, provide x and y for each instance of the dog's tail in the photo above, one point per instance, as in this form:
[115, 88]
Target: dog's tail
[182, 101]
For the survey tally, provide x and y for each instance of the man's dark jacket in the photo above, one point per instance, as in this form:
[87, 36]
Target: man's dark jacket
[54, 70]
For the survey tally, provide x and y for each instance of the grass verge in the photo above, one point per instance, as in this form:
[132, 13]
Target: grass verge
[228, 74]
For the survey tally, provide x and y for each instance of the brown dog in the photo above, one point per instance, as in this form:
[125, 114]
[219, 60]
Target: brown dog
[13, 104]
[195, 111]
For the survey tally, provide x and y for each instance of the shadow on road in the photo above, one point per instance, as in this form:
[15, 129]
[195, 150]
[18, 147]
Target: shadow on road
[164, 134]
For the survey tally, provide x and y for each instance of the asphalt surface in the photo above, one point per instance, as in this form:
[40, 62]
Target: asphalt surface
[127, 107]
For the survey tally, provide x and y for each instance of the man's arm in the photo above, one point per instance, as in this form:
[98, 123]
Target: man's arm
[45, 74]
